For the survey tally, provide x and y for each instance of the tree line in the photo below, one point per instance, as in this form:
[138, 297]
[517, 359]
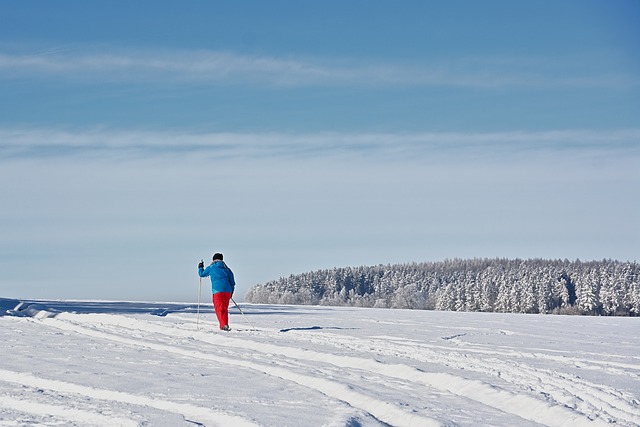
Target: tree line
[606, 287]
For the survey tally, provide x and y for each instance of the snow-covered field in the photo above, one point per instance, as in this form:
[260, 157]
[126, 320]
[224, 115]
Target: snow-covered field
[133, 364]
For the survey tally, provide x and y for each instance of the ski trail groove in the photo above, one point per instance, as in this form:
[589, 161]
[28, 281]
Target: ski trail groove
[564, 388]
[568, 390]
[206, 415]
[77, 416]
[381, 410]
[523, 406]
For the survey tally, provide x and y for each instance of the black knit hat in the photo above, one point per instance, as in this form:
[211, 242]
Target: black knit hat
[217, 256]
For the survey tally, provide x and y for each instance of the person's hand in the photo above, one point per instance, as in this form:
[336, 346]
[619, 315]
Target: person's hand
[201, 265]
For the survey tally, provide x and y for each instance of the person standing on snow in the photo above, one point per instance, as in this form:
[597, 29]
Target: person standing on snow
[222, 286]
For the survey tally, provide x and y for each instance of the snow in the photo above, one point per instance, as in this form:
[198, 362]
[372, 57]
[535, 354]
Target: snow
[133, 364]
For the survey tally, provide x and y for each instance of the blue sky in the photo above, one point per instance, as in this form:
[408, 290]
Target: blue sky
[292, 136]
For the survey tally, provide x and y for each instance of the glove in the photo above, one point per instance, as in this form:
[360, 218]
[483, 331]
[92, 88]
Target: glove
[201, 265]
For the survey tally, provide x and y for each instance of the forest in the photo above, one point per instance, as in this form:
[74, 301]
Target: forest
[606, 287]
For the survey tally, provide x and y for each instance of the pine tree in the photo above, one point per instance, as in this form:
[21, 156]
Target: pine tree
[532, 286]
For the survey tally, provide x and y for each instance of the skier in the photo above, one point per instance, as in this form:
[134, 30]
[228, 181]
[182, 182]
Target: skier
[222, 286]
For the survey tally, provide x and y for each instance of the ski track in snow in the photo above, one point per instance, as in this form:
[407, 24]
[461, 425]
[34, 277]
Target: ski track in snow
[474, 390]
[568, 390]
[384, 411]
[62, 413]
[362, 373]
[207, 416]
[565, 391]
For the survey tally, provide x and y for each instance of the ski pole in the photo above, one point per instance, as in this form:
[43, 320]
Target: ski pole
[199, 296]
[242, 312]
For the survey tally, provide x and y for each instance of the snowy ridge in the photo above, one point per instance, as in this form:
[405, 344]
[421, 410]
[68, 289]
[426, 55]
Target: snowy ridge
[317, 366]
[10, 307]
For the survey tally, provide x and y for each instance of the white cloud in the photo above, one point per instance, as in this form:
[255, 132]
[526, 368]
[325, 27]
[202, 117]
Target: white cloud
[58, 143]
[200, 66]
[217, 67]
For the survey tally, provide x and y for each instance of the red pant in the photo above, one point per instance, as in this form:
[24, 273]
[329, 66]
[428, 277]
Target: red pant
[221, 304]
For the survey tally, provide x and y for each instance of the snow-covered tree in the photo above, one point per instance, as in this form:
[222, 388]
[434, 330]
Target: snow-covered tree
[524, 286]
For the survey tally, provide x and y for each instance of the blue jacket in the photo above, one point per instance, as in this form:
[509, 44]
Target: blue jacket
[222, 279]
